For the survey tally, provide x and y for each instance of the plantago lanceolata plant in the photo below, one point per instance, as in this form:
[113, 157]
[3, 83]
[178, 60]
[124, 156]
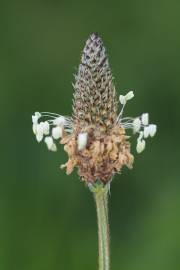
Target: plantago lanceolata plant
[94, 137]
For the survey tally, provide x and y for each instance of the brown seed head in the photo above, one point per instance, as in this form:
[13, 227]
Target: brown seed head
[95, 113]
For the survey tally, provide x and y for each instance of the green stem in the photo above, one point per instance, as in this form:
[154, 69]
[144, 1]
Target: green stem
[101, 199]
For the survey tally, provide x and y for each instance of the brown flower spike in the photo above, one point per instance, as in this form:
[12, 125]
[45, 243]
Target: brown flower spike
[95, 114]
[94, 137]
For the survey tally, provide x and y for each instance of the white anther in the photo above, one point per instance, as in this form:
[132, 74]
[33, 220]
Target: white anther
[46, 128]
[122, 99]
[145, 119]
[34, 119]
[57, 132]
[38, 114]
[39, 137]
[34, 128]
[82, 140]
[152, 130]
[50, 144]
[129, 95]
[40, 128]
[140, 145]
[146, 132]
[53, 148]
[141, 133]
[136, 125]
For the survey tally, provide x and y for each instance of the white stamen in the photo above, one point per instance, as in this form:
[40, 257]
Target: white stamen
[145, 119]
[49, 116]
[38, 114]
[152, 130]
[82, 140]
[59, 121]
[53, 148]
[34, 128]
[56, 124]
[141, 133]
[146, 132]
[140, 145]
[129, 95]
[46, 128]
[39, 137]
[40, 128]
[122, 99]
[50, 144]
[136, 125]
[34, 119]
[50, 113]
[57, 132]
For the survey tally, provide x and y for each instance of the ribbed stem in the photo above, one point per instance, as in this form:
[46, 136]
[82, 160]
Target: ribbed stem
[101, 199]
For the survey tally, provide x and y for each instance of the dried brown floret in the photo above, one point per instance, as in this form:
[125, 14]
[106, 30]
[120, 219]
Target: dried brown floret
[104, 155]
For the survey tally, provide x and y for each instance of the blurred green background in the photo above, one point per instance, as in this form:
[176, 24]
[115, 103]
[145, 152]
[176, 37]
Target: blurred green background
[48, 219]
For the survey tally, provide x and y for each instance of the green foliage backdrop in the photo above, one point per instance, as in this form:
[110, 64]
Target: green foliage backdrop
[48, 219]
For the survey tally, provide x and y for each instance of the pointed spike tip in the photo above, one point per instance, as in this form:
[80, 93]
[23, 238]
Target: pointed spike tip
[94, 35]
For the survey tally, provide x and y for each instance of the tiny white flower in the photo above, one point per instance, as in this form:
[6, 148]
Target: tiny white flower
[129, 95]
[140, 145]
[59, 121]
[46, 128]
[145, 119]
[82, 140]
[146, 132]
[122, 99]
[152, 130]
[39, 137]
[57, 132]
[136, 125]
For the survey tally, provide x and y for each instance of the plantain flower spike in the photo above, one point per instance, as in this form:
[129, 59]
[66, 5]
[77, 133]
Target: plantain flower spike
[94, 137]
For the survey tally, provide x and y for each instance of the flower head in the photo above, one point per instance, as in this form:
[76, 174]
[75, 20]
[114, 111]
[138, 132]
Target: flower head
[95, 136]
